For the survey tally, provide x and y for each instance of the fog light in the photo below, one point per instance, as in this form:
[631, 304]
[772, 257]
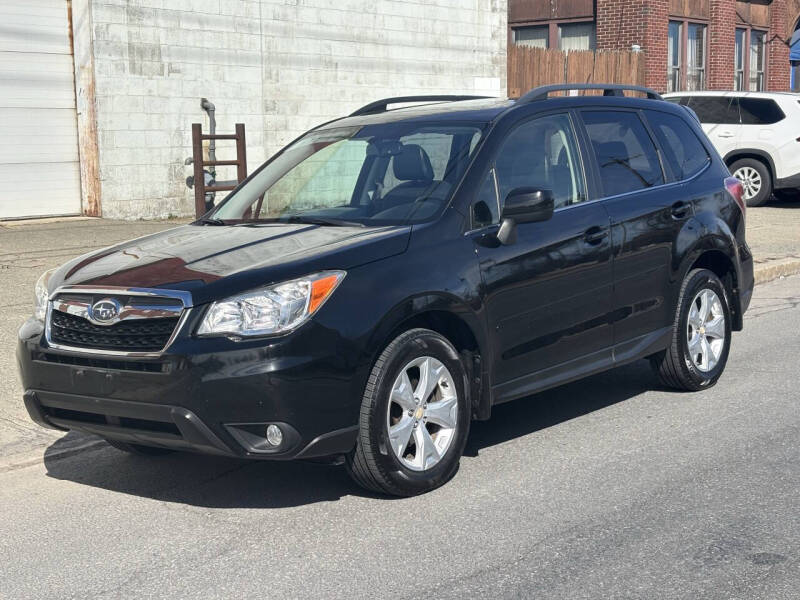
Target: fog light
[274, 435]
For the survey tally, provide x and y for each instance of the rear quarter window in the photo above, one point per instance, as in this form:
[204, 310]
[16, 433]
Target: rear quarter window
[683, 151]
[713, 109]
[760, 111]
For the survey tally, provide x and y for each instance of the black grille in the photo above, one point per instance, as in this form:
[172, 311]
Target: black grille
[135, 335]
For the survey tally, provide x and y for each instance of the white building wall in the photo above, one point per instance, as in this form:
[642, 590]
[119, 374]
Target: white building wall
[279, 66]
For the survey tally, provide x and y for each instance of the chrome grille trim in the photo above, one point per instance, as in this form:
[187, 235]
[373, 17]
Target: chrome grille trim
[81, 309]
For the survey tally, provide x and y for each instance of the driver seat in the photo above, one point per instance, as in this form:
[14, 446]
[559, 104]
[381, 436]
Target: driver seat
[413, 167]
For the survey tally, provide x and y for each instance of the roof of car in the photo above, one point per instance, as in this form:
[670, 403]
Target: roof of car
[481, 110]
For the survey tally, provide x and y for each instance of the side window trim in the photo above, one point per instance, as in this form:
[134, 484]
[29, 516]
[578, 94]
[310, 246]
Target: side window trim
[666, 171]
[473, 226]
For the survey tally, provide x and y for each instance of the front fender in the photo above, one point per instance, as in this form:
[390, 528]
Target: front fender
[418, 306]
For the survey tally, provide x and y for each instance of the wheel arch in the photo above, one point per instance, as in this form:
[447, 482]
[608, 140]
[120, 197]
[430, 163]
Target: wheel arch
[754, 154]
[714, 253]
[455, 320]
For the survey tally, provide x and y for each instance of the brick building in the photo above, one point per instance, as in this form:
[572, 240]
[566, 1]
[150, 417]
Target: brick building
[688, 44]
[99, 95]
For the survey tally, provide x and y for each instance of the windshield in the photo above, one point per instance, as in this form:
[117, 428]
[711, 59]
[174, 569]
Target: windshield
[386, 174]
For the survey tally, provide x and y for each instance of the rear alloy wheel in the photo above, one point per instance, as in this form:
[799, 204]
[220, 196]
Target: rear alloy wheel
[414, 417]
[756, 181]
[701, 335]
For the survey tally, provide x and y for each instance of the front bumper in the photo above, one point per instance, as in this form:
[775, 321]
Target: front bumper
[212, 396]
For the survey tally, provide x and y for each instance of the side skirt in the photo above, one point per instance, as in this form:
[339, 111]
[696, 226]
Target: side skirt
[597, 362]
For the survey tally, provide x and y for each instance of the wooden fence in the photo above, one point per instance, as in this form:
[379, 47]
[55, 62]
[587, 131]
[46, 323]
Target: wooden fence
[531, 67]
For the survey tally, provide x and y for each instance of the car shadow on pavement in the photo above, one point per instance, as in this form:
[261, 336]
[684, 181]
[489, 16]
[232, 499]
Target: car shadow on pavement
[215, 482]
[546, 409]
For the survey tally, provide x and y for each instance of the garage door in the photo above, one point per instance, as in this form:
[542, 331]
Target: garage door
[39, 169]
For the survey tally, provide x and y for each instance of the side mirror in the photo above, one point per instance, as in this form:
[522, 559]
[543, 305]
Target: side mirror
[524, 205]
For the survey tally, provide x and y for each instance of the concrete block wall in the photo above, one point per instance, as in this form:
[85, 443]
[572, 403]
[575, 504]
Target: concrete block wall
[278, 66]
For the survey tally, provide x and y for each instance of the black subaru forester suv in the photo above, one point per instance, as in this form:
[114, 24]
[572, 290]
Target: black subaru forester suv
[392, 275]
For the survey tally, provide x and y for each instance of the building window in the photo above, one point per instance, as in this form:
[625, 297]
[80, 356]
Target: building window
[674, 56]
[757, 51]
[537, 36]
[576, 36]
[686, 56]
[696, 57]
[738, 77]
[570, 35]
[750, 57]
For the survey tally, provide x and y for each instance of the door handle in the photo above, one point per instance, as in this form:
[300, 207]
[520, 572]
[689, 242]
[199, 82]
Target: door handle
[595, 235]
[680, 209]
[725, 134]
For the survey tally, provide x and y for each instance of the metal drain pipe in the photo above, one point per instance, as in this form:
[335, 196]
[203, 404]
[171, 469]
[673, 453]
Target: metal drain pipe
[212, 129]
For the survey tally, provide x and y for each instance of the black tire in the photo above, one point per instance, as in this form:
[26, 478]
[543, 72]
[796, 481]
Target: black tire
[765, 193]
[674, 365]
[373, 464]
[138, 449]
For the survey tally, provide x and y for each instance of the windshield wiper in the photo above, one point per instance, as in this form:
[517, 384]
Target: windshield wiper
[320, 221]
[211, 221]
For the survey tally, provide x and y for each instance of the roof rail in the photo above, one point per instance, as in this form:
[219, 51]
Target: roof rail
[380, 106]
[609, 89]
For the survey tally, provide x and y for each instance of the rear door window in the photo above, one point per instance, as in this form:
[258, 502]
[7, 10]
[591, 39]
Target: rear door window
[714, 109]
[682, 149]
[626, 156]
[760, 111]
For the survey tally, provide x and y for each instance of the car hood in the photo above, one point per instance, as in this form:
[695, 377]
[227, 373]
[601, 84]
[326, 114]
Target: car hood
[213, 262]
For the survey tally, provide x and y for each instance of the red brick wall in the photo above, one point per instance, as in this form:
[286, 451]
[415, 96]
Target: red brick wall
[623, 23]
[777, 50]
[721, 62]
[655, 18]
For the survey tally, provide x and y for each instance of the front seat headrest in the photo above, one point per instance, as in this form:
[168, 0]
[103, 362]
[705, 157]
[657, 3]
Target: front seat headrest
[412, 164]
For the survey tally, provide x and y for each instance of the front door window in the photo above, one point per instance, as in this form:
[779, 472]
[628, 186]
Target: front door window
[542, 154]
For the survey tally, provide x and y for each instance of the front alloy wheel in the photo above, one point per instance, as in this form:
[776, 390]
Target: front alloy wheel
[422, 413]
[415, 417]
[756, 180]
[751, 181]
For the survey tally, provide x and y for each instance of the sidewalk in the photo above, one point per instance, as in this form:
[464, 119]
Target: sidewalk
[29, 248]
[773, 232]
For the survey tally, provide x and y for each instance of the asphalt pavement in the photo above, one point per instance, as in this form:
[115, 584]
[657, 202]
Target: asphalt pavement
[606, 488]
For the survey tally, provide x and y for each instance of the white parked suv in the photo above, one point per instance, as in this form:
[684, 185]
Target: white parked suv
[756, 133]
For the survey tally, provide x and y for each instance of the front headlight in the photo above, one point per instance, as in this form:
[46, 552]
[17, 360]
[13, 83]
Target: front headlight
[271, 310]
[42, 295]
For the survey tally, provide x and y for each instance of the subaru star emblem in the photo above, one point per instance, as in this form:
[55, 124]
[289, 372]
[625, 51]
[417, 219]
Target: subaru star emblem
[105, 311]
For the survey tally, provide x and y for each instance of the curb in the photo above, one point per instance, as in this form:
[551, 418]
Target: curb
[776, 269]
